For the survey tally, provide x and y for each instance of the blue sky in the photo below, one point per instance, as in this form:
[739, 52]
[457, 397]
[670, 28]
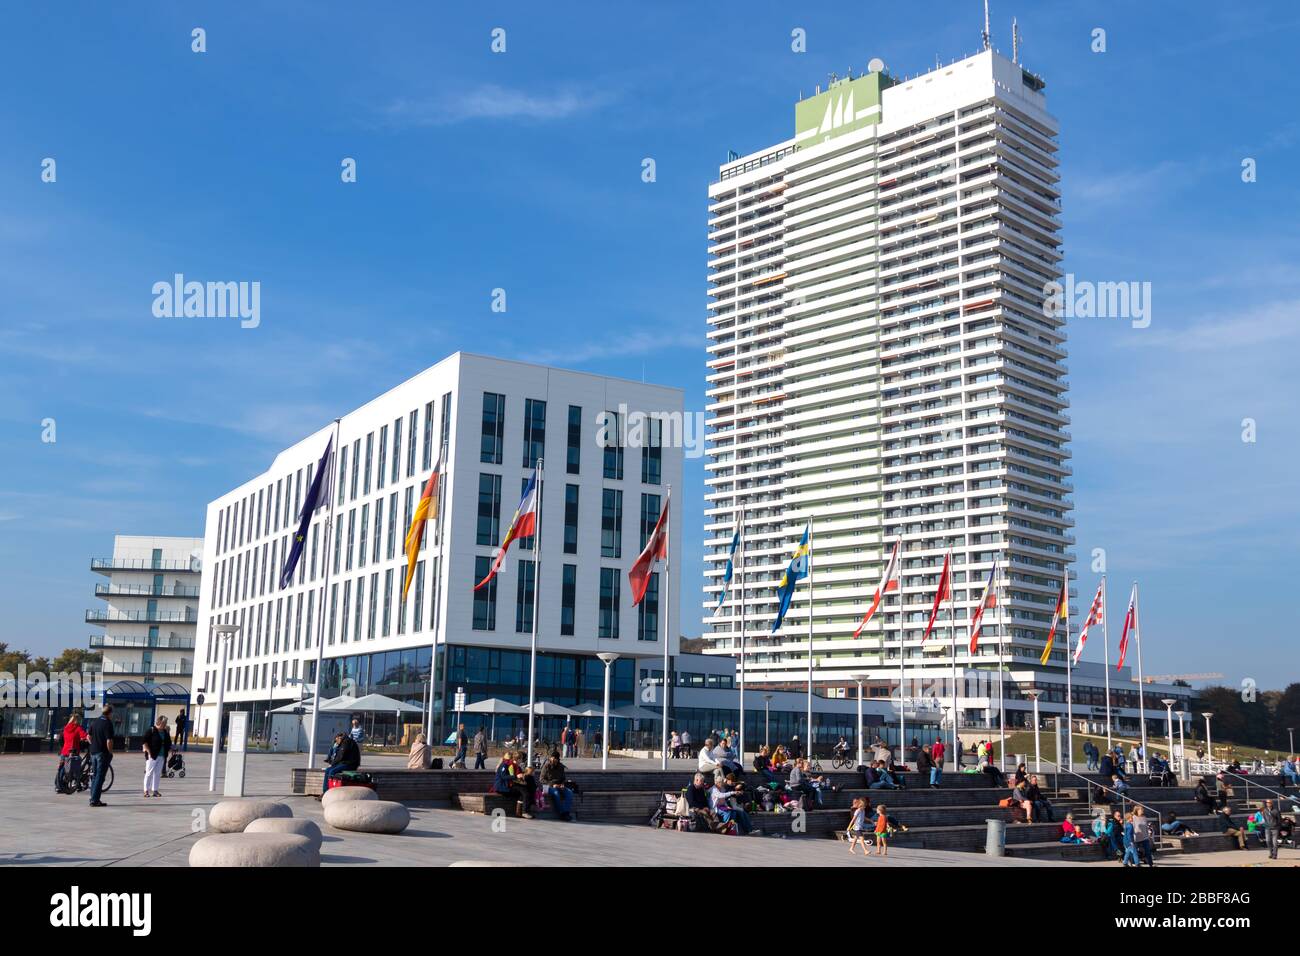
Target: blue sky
[522, 171]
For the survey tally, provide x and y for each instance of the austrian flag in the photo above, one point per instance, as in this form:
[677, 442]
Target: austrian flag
[656, 547]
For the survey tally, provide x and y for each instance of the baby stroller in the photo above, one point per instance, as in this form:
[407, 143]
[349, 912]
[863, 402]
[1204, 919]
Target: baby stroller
[175, 764]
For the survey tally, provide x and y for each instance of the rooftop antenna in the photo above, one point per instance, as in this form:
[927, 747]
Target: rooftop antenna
[985, 35]
[1015, 41]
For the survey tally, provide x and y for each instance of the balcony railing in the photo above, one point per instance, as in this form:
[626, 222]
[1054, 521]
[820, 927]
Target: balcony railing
[101, 616]
[147, 590]
[171, 643]
[182, 669]
[140, 564]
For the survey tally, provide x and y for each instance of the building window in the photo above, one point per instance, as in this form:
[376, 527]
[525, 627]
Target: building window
[410, 443]
[652, 452]
[343, 474]
[379, 525]
[417, 605]
[343, 615]
[396, 473]
[524, 598]
[365, 473]
[352, 527]
[611, 523]
[647, 618]
[356, 469]
[568, 599]
[427, 461]
[485, 598]
[613, 441]
[446, 422]
[494, 423]
[650, 505]
[609, 585]
[401, 599]
[392, 525]
[570, 519]
[573, 457]
[383, 457]
[388, 602]
[360, 610]
[489, 510]
[534, 431]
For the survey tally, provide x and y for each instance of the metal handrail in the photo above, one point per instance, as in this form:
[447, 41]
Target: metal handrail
[1284, 796]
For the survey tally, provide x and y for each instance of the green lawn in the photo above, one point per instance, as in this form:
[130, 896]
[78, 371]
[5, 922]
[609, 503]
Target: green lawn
[1023, 742]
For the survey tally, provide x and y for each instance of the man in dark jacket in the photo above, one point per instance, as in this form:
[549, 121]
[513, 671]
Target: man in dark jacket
[345, 755]
[1231, 827]
[101, 753]
[553, 779]
[925, 767]
[1272, 826]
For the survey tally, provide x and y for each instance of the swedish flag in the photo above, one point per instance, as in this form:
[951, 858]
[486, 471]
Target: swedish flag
[795, 572]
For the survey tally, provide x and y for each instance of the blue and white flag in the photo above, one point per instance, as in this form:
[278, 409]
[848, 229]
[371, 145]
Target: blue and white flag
[317, 494]
[731, 569]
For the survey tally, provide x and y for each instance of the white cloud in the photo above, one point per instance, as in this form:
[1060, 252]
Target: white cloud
[492, 102]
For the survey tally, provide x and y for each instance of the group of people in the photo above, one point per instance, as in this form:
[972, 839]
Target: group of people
[881, 828]
[515, 779]
[679, 744]
[97, 741]
[717, 806]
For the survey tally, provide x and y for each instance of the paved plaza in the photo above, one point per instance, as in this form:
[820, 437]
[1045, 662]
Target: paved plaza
[44, 828]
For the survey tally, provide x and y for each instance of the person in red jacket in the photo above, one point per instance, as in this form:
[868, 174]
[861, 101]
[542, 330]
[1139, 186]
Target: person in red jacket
[937, 750]
[68, 777]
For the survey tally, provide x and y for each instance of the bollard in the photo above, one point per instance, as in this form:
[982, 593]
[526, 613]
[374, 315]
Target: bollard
[997, 838]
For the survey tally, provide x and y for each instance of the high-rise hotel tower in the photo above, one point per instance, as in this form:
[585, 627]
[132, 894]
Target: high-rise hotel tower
[881, 364]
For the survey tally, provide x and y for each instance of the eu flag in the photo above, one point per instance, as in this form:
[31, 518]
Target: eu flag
[795, 572]
[319, 493]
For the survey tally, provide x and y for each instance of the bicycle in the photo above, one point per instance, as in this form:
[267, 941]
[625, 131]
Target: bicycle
[843, 760]
[87, 775]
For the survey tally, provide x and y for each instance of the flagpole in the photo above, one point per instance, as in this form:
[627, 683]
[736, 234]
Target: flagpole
[808, 751]
[1069, 671]
[667, 589]
[1105, 642]
[438, 582]
[952, 636]
[1137, 632]
[1002, 701]
[537, 593]
[324, 596]
[902, 675]
[738, 571]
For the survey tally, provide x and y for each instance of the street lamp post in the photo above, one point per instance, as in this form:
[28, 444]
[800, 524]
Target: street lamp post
[1209, 750]
[1182, 743]
[1169, 722]
[1038, 752]
[956, 757]
[1290, 731]
[607, 658]
[767, 722]
[859, 678]
[225, 634]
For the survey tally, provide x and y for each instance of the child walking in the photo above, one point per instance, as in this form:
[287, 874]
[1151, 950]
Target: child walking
[857, 831]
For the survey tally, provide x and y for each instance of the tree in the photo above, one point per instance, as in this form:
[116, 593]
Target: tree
[75, 658]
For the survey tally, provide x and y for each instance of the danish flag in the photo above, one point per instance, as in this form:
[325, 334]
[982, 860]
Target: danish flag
[888, 583]
[1095, 616]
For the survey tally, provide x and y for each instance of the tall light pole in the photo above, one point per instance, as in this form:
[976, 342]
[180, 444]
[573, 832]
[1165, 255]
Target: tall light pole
[956, 757]
[1291, 734]
[225, 634]
[767, 721]
[1169, 721]
[1209, 751]
[608, 659]
[1182, 744]
[859, 678]
[1038, 753]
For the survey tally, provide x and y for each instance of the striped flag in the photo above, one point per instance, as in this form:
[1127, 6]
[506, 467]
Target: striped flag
[987, 600]
[1095, 615]
[1130, 621]
[731, 569]
[1056, 618]
[522, 525]
[656, 547]
[426, 508]
[890, 582]
[945, 591]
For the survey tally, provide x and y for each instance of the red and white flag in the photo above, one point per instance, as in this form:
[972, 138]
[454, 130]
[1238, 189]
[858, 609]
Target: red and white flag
[945, 591]
[1095, 616]
[1130, 621]
[889, 582]
[656, 547]
[988, 599]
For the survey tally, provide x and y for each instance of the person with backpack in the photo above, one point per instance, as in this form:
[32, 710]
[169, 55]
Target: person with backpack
[152, 747]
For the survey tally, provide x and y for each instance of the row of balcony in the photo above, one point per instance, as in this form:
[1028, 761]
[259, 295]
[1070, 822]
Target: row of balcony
[114, 616]
[173, 642]
[141, 564]
[183, 669]
[147, 590]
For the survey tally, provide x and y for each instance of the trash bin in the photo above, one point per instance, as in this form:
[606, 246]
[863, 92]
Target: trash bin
[996, 841]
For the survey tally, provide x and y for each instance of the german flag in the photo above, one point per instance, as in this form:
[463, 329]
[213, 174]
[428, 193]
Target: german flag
[426, 508]
[1056, 618]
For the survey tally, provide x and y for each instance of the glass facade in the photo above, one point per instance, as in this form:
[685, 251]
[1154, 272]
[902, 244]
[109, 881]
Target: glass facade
[494, 424]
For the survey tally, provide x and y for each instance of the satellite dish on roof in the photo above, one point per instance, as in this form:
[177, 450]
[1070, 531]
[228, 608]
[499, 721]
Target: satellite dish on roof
[877, 65]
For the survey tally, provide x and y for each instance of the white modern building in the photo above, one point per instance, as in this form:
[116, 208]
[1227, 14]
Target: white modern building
[149, 617]
[881, 364]
[610, 456]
